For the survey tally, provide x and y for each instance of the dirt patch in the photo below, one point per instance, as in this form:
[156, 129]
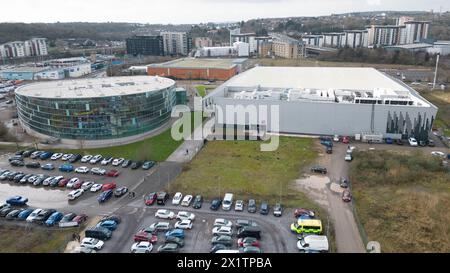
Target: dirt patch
[314, 186]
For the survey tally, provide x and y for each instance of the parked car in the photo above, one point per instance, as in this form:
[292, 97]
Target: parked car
[319, 169]
[28, 153]
[185, 215]
[109, 224]
[328, 150]
[150, 198]
[218, 247]
[398, 142]
[118, 161]
[346, 196]
[75, 194]
[222, 222]
[13, 214]
[250, 249]
[161, 198]
[239, 205]
[35, 154]
[222, 230]
[164, 214]
[95, 159]
[343, 183]
[184, 224]
[80, 218]
[135, 165]
[120, 191]
[33, 165]
[158, 226]
[106, 160]
[168, 248]
[431, 143]
[74, 158]
[245, 223]
[215, 204]
[251, 206]
[82, 169]
[66, 168]
[115, 218]
[45, 155]
[313, 244]
[126, 163]
[179, 233]
[389, 140]
[105, 196]
[73, 182]
[66, 157]
[142, 247]
[98, 233]
[87, 185]
[345, 140]
[222, 239]
[198, 201]
[249, 231]
[98, 171]
[92, 243]
[148, 165]
[5, 211]
[412, 142]
[348, 157]
[48, 167]
[278, 210]
[186, 200]
[17, 163]
[17, 201]
[68, 218]
[112, 173]
[43, 216]
[54, 219]
[24, 214]
[177, 198]
[55, 181]
[264, 209]
[248, 241]
[96, 187]
[175, 240]
[109, 186]
[56, 156]
[301, 211]
[86, 158]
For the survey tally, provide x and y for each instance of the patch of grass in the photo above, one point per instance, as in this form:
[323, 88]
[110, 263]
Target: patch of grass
[202, 89]
[37, 240]
[441, 99]
[402, 200]
[241, 168]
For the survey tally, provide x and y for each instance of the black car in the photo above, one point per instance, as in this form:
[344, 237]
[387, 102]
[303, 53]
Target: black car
[245, 223]
[398, 142]
[161, 198]
[27, 153]
[126, 163]
[17, 163]
[251, 206]
[329, 150]
[168, 248]
[198, 201]
[13, 214]
[264, 209]
[5, 211]
[215, 204]
[18, 177]
[175, 240]
[16, 158]
[148, 165]
[43, 216]
[74, 158]
[249, 232]
[422, 143]
[120, 191]
[218, 247]
[135, 165]
[20, 152]
[33, 165]
[319, 169]
[344, 183]
[431, 143]
[12, 175]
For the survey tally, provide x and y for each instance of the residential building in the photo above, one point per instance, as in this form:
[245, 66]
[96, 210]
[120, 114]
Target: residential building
[203, 42]
[249, 38]
[416, 31]
[176, 43]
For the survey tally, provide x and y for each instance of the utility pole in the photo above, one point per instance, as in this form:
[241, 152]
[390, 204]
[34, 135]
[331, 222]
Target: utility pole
[435, 71]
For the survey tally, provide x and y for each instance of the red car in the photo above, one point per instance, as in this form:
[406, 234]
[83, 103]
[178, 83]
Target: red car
[149, 199]
[108, 186]
[346, 140]
[248, 241]
[112, 173]
[301, 211]
[346, 196]
[145, 236]
[80, 218]
[78, 184]
[63, 182]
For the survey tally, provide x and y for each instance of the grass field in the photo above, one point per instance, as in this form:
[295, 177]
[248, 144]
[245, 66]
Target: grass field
[19, 240]
[402, 200]
[202, 90]
[241, 168]
[442, 100]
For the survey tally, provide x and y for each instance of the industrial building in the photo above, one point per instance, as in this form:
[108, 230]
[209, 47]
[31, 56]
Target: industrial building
[145, 45]
[320, 101]
[195, 68]
[239, 49]
[32, 73]
[249, 38]
[116, 108]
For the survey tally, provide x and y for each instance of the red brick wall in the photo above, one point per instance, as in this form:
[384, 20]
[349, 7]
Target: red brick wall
[194, 73]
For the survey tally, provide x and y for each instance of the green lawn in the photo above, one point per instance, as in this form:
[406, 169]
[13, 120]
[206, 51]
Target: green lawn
[241, 168]
[37, 240]
[402, 200]
[442, 100]
[202, 90]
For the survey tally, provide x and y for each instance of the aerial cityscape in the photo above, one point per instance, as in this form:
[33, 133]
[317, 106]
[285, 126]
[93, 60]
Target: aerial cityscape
[262, 131]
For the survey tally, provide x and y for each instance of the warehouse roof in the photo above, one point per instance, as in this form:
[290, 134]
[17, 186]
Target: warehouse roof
[98, 87]
[197, 63]
[26, 69]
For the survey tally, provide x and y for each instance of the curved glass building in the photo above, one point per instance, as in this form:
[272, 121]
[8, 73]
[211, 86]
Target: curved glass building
[96, 109]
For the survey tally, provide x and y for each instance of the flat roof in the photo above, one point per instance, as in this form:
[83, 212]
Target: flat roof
[411, 46]
[346, 78]
[92, 88]
[197, 63]
[26, 70]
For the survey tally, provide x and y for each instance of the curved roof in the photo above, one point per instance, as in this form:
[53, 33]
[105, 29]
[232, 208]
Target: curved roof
[92, 88]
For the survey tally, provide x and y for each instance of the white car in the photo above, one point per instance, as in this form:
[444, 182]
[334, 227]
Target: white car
[82, 169]
[142, 247]
[96, 159]
[158, 226]
[222, 222]
[222, 230]
[86, 158]
[106, 160]
[336, 138]
[75, 194]
[47, 181]
[56, 156]
[33, 215]
[92, 243]
[412, 142]
[186, 201]
[96, 187]
[177, 198]
[72, 181]
[118, 161]
[87, 185]
[184, 215]
[165, 214]
[348, 157]
[438, 153]
[184, 224]
[239, 206]
[66, 157]
[98, 171]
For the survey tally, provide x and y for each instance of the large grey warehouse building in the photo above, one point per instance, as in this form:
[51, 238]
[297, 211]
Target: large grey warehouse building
[118, 109]
[321, 101]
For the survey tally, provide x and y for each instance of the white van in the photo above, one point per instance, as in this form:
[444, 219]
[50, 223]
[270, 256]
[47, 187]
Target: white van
[313, 243]
[227, 251]
[227, 201]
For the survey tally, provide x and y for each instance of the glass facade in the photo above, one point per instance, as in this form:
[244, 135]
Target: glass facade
[98, 117]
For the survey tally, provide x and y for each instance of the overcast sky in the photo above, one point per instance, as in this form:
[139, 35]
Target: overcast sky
[194, 11]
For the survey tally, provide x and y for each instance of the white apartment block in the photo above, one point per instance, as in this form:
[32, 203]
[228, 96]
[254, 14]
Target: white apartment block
[20, 49]
[175, 43]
